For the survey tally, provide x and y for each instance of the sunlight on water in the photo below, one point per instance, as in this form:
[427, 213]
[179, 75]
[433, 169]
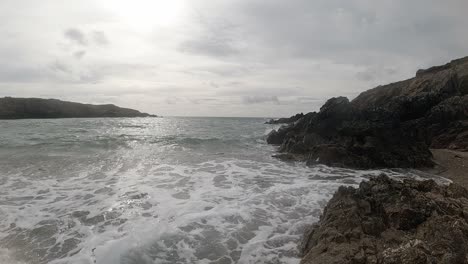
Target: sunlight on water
[155, 190]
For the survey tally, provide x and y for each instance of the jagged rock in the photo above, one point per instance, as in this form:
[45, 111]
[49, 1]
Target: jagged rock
[285, 120]
[388, 126]
[386, 221]
[18, 108]
[274, 138]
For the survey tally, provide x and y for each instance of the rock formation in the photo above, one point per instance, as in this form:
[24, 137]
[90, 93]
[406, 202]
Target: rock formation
[287, 120]
[391, 222]
[19, 108]
[388, 126]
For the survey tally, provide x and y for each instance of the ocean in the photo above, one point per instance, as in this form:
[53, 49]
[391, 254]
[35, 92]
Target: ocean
[156, 190]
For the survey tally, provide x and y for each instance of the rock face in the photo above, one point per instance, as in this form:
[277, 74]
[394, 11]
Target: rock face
[390, 222]
[388, 126]
[288, 120]
[19, 108]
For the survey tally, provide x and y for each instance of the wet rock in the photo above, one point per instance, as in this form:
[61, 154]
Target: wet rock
[285, 157]
[274, 138]
[387, 221]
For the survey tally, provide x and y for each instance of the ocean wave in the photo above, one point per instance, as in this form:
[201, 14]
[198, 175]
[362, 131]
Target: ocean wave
[172, 192]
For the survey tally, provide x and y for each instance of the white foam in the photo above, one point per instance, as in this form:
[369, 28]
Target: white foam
[7, 258]
[163, 203]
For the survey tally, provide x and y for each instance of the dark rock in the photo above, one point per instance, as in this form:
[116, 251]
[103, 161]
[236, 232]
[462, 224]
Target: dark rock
[338, 107]
[388, 126]
[274, 138]
[20, 108]
[387, 221]
[277, 137]
[285, 120]
[285, 157]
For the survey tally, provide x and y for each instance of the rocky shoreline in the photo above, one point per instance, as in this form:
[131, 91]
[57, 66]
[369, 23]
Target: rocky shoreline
[285, 120]
[391, 222]
[389, 126]
[417, 123]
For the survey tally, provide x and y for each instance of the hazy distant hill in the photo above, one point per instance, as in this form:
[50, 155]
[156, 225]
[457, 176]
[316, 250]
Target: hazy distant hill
[18, 108]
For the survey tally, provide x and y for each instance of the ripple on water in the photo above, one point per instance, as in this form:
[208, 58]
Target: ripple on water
[129, 191]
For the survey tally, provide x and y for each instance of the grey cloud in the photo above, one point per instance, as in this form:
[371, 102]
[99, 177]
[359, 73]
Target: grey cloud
[204, 101]
[83, 39]
[76, 35]
[172, 100]
[218, 38]
[375, 73]
[214, 85]
[14, 74]
[279, 57]
[223, 70]
[308, 99]
[79, 54]
[260, 99]
[262, 91]
[353, 32]
[366, 75]
[212, 46]
[60, 71]
[100, 38]
[58, 66]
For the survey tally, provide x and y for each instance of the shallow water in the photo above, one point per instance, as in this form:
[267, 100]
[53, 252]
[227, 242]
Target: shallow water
[155, 190]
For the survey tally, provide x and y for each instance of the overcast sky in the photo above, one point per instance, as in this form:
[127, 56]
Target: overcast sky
[221, 57]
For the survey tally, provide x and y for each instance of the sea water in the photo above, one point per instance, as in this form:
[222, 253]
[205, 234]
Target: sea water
[156, 190]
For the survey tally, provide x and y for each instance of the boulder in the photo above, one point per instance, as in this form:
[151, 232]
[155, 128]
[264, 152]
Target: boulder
[388, 221]
[274, 138]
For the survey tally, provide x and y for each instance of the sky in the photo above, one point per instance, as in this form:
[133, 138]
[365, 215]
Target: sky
[257, 58]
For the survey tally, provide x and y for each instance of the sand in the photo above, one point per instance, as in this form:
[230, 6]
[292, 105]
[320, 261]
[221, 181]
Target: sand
[452, 165]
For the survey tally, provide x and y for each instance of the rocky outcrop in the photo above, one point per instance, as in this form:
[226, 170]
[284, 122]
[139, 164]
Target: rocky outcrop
[388, 126]
[386, 221]
[285, 120]
[20, 108]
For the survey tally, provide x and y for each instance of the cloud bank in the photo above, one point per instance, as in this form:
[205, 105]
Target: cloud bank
[215, 57]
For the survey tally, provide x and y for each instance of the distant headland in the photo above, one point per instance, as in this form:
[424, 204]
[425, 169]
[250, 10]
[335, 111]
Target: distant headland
[34, 108]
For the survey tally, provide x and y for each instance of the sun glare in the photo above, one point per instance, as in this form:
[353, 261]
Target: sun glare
[146, 14]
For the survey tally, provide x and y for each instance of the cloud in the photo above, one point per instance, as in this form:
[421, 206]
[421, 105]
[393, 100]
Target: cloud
[260, 99]
[173, 100]
[15, 74]
[79, 54]
[212, 46]
[76, 36]
[217, 38]
[277, 57]
[100, 38]
[375, 73]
